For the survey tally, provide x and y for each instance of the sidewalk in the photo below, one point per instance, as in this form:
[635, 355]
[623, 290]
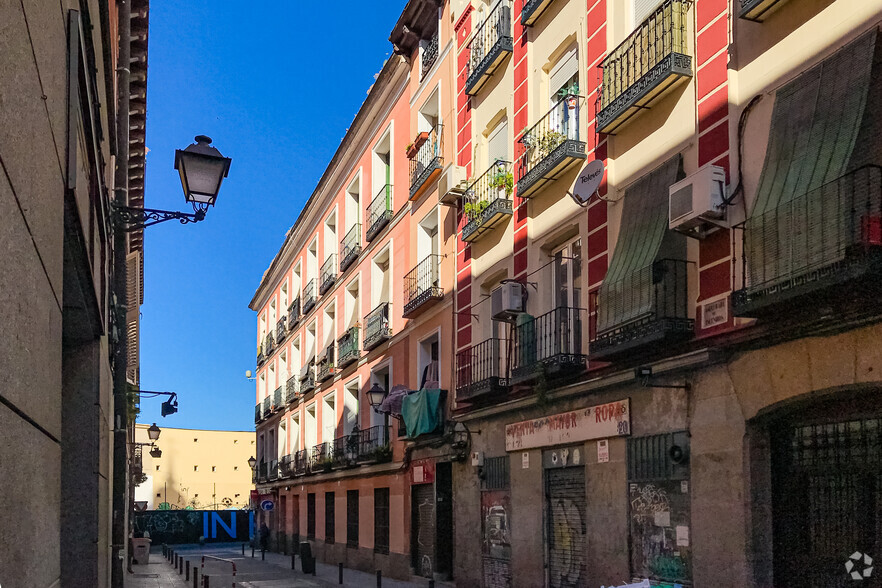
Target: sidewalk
[274, 572]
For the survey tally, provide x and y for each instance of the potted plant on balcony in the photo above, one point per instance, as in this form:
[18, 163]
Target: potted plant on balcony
[503, 181]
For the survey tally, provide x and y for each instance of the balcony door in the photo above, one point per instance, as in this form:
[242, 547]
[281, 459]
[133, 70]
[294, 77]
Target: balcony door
[567, 296]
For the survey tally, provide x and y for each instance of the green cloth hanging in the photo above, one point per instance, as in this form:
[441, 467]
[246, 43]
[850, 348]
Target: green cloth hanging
[421, 412]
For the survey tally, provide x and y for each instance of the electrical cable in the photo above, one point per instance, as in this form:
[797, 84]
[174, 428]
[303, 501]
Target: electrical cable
[742, 122]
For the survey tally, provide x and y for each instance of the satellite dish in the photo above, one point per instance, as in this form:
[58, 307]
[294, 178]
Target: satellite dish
[588, 182]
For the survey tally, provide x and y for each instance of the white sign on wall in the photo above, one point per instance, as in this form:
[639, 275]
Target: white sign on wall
[594, 422]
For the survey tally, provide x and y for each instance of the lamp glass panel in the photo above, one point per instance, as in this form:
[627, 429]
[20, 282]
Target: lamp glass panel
[203, 177]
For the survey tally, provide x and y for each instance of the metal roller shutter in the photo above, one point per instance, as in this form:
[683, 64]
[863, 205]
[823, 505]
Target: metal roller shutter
[424, 529]
[565, 534]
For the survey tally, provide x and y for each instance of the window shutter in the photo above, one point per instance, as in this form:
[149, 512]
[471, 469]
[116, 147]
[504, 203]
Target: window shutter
[642, 9]
[497, 144]
[133, 316]
[565, 68]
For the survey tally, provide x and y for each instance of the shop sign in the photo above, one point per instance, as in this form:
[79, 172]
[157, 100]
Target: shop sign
[423, 471]
[594, 422]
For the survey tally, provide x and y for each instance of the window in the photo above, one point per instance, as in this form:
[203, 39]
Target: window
[329, 327]
[157, 468]
[563, 79]
[381, 520]
[214, 468]
[352, 304]
[350, 407]
[329, 417]
[310, 515]
[380, 277]
[283, 296]
[159, 495]
[567, 279]
[311, 430]
[352, 518]
[236, 469]
[641, 9]
[235, 441]
[498, 143]
[381, 376]
[329, 517]
[195, 440]
[196, 468]
[427, 361]
[352, 210]
[295, 433]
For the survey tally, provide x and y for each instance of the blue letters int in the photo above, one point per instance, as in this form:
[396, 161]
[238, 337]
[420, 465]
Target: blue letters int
[231, 530]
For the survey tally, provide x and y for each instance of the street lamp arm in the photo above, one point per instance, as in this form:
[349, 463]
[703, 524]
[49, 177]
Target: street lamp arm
[133, 218]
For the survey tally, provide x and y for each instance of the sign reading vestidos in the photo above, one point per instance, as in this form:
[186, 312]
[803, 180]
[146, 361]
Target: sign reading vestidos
[585, 424]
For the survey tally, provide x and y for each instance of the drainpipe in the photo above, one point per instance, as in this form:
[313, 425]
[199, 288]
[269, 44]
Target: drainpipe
[120, 527]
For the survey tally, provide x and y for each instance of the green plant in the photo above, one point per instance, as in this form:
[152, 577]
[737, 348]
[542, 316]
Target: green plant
[503, 180]
[383, 453]
[408, 148]
[472, 210]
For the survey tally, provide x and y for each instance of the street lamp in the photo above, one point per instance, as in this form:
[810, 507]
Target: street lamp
[376, 395]
[252, 462]
[153, 432]
[202, 169]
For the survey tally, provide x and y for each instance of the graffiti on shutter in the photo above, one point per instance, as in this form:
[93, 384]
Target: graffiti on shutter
[565, 533]
[424, 532]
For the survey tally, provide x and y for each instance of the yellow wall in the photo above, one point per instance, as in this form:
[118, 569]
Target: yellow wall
[176, 482]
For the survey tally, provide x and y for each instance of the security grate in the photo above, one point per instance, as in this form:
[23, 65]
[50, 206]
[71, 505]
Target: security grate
[352, 518]
[496, 473]
[381, 520]
[330, 523]
[650, 458]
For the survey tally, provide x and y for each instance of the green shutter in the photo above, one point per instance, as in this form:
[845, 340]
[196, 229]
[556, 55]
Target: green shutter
[626, 292]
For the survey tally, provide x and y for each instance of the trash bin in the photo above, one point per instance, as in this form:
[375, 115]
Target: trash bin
[141, 548]
[307, 562]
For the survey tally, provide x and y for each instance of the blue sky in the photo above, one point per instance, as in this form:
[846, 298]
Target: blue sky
[275, 85]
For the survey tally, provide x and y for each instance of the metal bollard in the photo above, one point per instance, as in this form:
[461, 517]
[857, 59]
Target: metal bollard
[175, 564]
[187, 570]
[379, 579]
[195, 577]
[292, 561]
[243, 549]
[205, 581]
[339, 573]
[252, 551]
[181, 566]
[431, 583]
[262, 555]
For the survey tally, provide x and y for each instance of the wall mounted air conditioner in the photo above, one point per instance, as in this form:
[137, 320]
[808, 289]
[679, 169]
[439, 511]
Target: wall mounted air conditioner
[452, 184]
[696, 204]
[507, 302]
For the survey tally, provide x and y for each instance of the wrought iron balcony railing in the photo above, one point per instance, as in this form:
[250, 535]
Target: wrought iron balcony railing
[301, 462]
[660, 292]
[273, 473]
[551, 147]
[320, 458]
[532, 10]
[278, 399]
[292, 389]
[373, 445]
[269, 343]
[267, 406]
[281, 328]
[286, 466]
[328, 273]
[262, 471]
[491, 43]
[344, 450]
[258, 413]
[757, 10]
[350, 247]
[820, 249]
[308, 296]
[307, 378]
[422, 286]
[347, 347]
[261, 356]
[377, 327]
[294, 313]
[429, 56]
[254, 478]
[481, 369]
[379, 212]
[649, 63]
[487, 201]
[549, 345]
[425, 163]
[325, 366]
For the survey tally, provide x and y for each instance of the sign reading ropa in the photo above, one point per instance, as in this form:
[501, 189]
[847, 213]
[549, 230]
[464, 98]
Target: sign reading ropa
[594, 422]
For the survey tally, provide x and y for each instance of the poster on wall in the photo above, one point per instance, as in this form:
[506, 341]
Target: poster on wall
[594, 422]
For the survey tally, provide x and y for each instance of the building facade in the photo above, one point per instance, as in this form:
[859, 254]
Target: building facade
[675, 370]
[200, 469]
[361, 295]
[71, 142]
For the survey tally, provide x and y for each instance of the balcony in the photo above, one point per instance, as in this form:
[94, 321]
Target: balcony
[379, 212]
[294, 314]
[292, 389]
[758, 10]
[267, 406]
[425, 155]
[307, 378]
[373, 445]
[325, 367]
[481, 369]
[377, 328]
[328, 274]
[429, 56]
[347, 347]
[301, 462]
[421, 286]
[308, 296]
[549, 346]
[661, 294]
[818, 255]
[281, 328]
[273, 472]
[533, 9]
[286, 466]
[269, 343]
[552, 147]
[651, 62]
[490, 45]
[262, 471]
[261, 356]
[487, 201]
[320, 458]
[350, 247]
[258, 413]
[344, 451]
[278, 399]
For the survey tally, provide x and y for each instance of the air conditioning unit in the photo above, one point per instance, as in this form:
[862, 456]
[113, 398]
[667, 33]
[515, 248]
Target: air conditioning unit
[507, 302]
[696, 203]
[452, 184]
